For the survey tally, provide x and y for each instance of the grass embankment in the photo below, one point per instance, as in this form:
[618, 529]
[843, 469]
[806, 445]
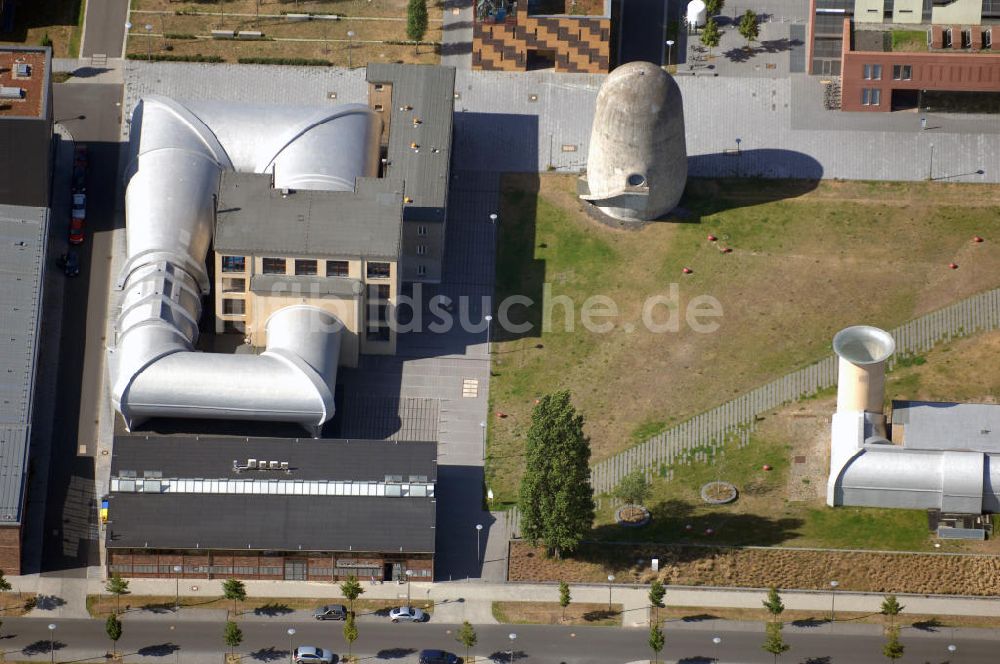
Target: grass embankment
[60, 20]
[806, 261]
[100, 606]
[185, 30]
[550, 613]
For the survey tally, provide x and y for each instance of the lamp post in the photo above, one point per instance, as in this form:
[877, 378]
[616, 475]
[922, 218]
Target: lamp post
[149, 41]
[512, 636]
[952, 648]
[128, 29]
[833, 598]
[479, 548]
[482, 426]
[350, 45]
[670, 49]
[489, 319]
[177, 587]
[409, 573]
[930, 169]
[52, 645]
[493, 218]
[611, 580]
[291, 633]
[716, 640]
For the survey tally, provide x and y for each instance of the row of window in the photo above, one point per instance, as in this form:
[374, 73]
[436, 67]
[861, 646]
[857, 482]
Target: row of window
[303, 267]
[899, 72]
[871, 96]
[219, 570]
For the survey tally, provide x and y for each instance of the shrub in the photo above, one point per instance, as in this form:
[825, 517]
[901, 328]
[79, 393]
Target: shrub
[179, 35]
[298, 62]
[162, 57]
[46, 40]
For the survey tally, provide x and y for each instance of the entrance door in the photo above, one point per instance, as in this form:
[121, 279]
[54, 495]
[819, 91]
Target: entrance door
[295, 570]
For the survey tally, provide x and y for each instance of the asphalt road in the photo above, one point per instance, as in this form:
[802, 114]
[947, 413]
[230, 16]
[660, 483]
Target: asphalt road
[266, 640]
[105, 30]
[90, 113]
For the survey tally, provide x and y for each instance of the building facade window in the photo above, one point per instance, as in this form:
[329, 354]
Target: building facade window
[421, 270]
[273, 266]
[902, 72]
[422, 230]
[234, 285]
[233, 307]
[871, 96]
[234, 263]
[337, 269]
[377, 333]
[421, 249]
[378, 270]
[305, 268]
[234, 327]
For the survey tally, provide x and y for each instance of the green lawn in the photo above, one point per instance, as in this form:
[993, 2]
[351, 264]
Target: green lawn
[909, 40]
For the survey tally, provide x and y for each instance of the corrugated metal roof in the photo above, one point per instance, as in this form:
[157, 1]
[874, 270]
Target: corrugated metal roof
[22, 255]
[938, 425]
[425, 93]
[253, 218]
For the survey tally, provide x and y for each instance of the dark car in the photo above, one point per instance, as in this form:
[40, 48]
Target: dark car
[331, 612]
[437, 657]
[70, 263]
[76, 230]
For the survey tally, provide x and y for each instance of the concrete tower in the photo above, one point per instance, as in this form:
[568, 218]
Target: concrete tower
[637, 163]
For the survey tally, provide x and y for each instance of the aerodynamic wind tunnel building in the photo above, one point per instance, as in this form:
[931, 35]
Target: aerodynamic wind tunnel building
[926, 455]
[637, 159]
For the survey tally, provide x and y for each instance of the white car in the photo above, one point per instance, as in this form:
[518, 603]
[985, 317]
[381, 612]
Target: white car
[310, 654]
[79, 200]
[407, 614]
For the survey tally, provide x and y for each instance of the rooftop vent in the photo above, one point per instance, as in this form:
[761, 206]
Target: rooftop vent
[22, 70]
[11, 93]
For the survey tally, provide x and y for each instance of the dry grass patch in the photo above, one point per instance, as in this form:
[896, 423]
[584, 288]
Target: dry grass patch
[550, 613]
[806, 261]
[921, 622]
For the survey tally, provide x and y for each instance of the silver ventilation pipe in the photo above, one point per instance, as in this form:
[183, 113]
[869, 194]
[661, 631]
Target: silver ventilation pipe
[178, 153]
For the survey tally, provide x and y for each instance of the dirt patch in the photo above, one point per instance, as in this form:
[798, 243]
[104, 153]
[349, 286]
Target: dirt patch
[784, 568]
[692, 614]
[550, 613]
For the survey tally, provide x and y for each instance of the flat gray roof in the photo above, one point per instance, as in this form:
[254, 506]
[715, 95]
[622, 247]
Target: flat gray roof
[23, 231]
[939, 425]
[425, 92]
[254, 218]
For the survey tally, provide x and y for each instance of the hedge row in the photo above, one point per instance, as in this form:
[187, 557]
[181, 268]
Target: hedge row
[176, 58]
[180, 35]
[300, 62]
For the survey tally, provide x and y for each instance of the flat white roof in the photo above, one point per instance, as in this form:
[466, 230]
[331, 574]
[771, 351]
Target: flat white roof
[941, 425]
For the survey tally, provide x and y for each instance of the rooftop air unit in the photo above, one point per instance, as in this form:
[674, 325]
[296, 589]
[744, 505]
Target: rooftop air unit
[11, 93]
[22, 70]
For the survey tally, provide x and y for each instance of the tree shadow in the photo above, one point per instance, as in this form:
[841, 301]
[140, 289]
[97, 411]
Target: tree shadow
[89, 72]
[771, 46]
[810, 622]
[394, 653]
[697, 659]
[273, 609]
[600, 614]
[929, 625]
[270, 654]
[158, 650]
[825, 659]
[42, 647]
[158, 607]
[49, 602]
[701, 617]
[501, 656]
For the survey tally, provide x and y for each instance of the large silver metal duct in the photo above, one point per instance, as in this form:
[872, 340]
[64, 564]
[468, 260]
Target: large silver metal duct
[177, 155]
[862, 350]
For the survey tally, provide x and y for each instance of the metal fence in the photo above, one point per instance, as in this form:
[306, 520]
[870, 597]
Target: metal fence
[700, 438]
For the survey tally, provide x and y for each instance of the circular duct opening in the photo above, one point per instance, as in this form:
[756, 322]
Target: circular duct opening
[863, 344]
[636, 180]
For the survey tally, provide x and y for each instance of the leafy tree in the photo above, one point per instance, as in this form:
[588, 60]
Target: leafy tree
[117, 586]
[5, 587]
[773, 603]
[233, 635]
[633, 488]
[351, 590]
[710, 34]
[891, 608]
[774, 643]
[113, 627]
[749, 26]
[466, 635]
[556, 500]
[350, 633]
[714, 7]
[656, 592]
[656, 641]
[416, 21]
[235, 590]
[893, 649]
[564, 597]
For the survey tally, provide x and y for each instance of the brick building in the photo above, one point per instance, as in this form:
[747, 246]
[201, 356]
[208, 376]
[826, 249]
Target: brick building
[270, 508]
[908, 54]
[567, 35]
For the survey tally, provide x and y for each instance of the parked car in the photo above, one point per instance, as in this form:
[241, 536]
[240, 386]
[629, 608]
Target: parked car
[311, 654]
[80, 212]
[79, 179]
[437, 657]
[69, 263]
[80, 155]
[407, 614]
[76, 230]
[331, 612]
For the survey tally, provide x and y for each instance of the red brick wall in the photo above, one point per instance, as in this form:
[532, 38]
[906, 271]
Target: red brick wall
[10, 549]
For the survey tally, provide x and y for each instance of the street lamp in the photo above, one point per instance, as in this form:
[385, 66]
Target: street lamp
[291, 633]
[149, 41]
[930, 170]
[611, 579]
[833, 596]
[350, 45]
[482, 425]
[512, 636]
[409, 573]
[952, 648]
[489, 319]
[716, 640]
[52, 646]
[493, 218]
[670, 49]
[177, 587]
[479, 532]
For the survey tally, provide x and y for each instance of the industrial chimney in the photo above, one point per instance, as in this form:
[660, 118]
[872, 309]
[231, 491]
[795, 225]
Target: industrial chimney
[863, 351]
